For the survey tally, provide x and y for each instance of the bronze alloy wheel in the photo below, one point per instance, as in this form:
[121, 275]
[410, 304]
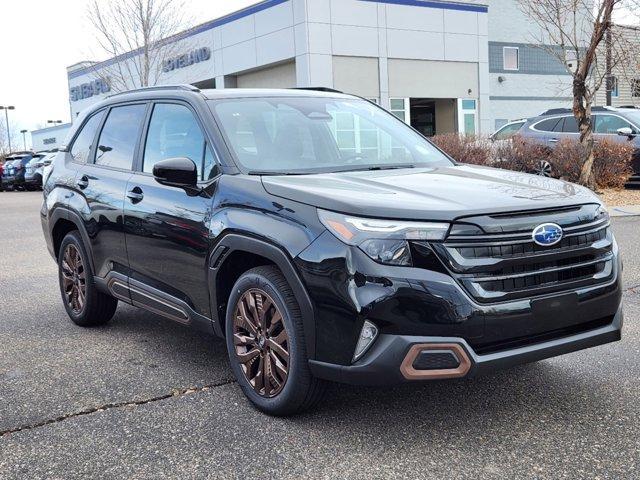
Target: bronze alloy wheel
[74, 282]
[261, 342]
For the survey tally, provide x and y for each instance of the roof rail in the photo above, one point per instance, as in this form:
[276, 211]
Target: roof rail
[556, 111]
[628, 106]
[318, 89]
[185, 87]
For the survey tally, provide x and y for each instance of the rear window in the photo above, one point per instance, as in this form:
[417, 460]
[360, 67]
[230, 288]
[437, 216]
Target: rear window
[570, 125]
[82, 144]
[549, 125]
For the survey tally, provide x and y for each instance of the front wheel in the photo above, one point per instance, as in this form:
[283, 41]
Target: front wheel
[265, 341]
[85, 305]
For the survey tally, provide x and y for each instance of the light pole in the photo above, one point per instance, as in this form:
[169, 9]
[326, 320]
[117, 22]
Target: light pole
[6, 116]
[24, 139]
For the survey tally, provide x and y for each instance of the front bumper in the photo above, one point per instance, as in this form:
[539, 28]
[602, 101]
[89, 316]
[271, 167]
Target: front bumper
[383, 364]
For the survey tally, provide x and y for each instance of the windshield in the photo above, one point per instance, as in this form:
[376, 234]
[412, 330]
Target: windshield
[311, 134]
[508, 131]
[634, 117]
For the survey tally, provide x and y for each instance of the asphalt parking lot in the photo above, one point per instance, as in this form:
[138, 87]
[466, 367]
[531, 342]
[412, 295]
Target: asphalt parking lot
[145, 398]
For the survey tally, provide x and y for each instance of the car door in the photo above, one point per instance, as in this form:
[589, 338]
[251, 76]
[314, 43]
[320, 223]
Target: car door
[167, 228]
[102, 182]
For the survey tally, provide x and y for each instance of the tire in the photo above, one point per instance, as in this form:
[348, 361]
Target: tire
[93, 308]
[300, 390]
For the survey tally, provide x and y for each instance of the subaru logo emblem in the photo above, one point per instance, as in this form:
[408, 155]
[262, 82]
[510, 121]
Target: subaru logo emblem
[547, 234]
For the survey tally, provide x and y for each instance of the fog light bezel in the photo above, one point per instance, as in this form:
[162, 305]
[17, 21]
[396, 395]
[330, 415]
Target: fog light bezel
[368, 325]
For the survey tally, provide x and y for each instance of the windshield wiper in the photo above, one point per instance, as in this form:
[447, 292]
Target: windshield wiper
[272, 173]
[380, 167]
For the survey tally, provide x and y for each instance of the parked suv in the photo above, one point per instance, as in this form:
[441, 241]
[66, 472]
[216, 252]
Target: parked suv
[324, 239]
[34, 170]
[14, 170]
[615, 124]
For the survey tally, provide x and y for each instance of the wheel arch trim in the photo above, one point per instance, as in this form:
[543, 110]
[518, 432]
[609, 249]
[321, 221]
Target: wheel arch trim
[233, 242]
[63, 213]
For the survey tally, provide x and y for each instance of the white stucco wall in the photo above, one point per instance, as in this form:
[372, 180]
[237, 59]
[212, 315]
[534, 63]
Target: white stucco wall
[318, 34]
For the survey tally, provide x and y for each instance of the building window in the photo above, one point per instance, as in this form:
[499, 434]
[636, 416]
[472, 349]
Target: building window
[571, 57]
[398, 106]
[510, 58]
[499, 123]
[468, 104]
[635, 87]
[612, 85]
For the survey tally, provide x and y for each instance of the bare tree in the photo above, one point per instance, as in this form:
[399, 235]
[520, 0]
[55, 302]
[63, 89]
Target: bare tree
[581, 35]
[139, 35]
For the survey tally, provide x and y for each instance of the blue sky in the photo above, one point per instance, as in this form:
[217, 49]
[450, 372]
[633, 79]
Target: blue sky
[40, 38]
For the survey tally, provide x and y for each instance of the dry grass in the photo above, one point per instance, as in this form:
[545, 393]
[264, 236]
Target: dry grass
[618, 197]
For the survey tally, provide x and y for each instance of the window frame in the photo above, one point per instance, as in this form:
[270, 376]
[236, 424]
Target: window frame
[139, 161]
[504, 51]
[136, 149]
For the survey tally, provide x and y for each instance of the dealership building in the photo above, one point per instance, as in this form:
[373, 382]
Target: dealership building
[441, 66]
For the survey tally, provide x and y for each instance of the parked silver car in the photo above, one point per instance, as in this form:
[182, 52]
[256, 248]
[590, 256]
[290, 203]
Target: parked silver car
[615, 124]
[34, 172]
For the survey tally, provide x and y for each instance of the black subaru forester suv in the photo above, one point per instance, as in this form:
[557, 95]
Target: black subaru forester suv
[324, 239]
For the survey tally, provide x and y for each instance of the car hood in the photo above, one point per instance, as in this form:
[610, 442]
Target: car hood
[442, 193]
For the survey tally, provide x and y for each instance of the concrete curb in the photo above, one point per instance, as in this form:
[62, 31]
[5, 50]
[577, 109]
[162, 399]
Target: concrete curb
[624, 211]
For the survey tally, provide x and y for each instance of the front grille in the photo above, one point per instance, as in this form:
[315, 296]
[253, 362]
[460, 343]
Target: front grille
[507, 264]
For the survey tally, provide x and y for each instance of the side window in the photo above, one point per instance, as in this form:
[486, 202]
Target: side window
[548, 125]
[570, 125]
[209, 170]
[610, 124]
[82, 144]
[175, 132]
[117, 142]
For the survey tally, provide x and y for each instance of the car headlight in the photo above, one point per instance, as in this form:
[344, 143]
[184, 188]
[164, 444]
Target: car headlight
[385, 241]
[601, 213]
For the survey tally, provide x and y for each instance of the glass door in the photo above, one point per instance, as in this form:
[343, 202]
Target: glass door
[467, 116]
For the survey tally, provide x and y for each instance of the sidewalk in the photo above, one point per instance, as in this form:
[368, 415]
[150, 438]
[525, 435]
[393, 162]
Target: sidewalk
[624, 211]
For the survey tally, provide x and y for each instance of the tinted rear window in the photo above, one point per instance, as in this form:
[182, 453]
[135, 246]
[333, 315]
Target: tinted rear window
[82, 144]
[549, 125]
[570, 125]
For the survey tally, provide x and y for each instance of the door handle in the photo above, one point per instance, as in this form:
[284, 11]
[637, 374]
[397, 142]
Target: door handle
[135, 195]
[83, 182]
[553, 140]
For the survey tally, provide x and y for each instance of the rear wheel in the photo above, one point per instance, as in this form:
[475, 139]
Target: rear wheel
[266, 345]
[543, 168]
[85, 305]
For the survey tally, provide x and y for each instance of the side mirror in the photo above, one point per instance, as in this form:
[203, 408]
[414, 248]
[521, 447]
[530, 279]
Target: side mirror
[625, 132]
[177, 172]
